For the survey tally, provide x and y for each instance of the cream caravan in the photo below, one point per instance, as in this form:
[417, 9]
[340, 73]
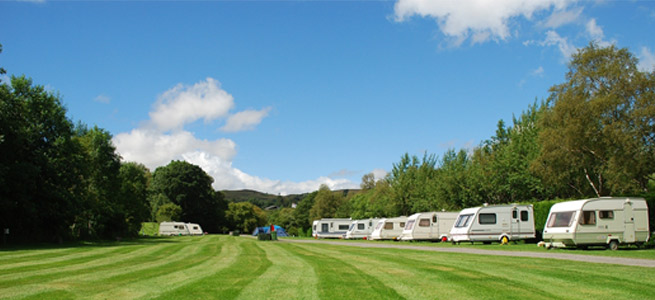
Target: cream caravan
[389, 229]
[599, 221]
[431, 226]
[501, 223]
[330, 228]
[361, 229]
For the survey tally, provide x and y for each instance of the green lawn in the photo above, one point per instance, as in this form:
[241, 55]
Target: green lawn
[225, 267]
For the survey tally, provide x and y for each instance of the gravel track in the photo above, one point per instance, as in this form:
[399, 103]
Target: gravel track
[648, 263]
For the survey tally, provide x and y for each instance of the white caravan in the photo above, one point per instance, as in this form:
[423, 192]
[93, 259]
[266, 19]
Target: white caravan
[194, 229]
[389, 229]
[603, 221]
[432, 226]
[500, 223]
[173, 228]
[330, 228]
[361, 229]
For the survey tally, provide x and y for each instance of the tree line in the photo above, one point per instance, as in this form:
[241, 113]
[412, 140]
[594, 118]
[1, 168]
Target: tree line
[593, 136]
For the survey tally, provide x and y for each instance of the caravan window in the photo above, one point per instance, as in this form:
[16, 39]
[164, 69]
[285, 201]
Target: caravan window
[424, 223]
[606, 214]
[515, 214]
[402, 224]
[588, 218]
[379, 225]
[463, 221]
[487, 219]
[524, 215]
[409, 225]
[352, 226]
[361, 226]
[388, 225]
[343, 227]
[561, 219]
[434, 218]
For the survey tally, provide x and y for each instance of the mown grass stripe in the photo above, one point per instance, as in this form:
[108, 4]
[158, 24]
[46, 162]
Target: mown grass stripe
[289, 277]
[340, 279]
[250, 263]
[523, 277]
[217, 255]
[72, 279]
[136, 256]
[55, 259]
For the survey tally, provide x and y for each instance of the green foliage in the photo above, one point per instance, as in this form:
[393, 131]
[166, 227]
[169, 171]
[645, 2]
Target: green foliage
[189, 187]
[169, 212]
[40, 164]
[245, 216]
[598, 136]
[149, 229]
[327, 204]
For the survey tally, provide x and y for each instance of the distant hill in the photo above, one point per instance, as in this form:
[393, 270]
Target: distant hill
[264, 200]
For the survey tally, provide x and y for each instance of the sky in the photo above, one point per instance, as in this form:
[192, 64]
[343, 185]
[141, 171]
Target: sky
[283, 96]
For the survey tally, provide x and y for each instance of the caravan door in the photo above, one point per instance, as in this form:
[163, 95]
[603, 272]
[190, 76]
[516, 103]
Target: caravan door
[629, 233]
[515, 230]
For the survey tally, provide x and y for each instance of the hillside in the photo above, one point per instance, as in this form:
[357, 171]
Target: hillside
[264, 200]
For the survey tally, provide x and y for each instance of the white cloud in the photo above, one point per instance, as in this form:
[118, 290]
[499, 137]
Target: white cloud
[163, 139]
[562, 17]
[646, 60]
[102, 99]
[554, 39]
[185, 104]
[379, 174]
[594, 30]
[154, 148]
[245, 120]
[481, 20]
[539, 72]
[226, 177]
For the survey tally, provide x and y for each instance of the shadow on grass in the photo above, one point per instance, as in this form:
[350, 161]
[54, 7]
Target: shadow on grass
[90, 244]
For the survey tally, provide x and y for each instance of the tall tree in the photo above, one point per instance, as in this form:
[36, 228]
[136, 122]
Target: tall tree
[39, 163]
[134, 179]
[326, 204]
[190, 187]
[598, 136]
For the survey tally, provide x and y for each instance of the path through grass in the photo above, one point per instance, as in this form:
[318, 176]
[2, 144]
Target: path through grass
[226, 267]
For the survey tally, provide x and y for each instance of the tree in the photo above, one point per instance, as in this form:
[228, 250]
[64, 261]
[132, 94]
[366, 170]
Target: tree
[168, 212]
[189, 187]
[245, 216]
[326, 204]
[368, 181]
[40, 163]
[134, 179]
[103, 215]
[598, 136]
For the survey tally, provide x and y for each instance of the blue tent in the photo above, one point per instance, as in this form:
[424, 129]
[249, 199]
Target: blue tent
[267, 229]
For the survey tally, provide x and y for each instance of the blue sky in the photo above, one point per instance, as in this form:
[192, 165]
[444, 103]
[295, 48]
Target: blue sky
[282, 96]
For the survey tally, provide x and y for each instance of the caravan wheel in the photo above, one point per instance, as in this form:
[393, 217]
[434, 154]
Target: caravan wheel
[614, 245]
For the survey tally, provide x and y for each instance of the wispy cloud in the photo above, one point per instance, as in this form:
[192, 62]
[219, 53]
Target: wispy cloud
[245, 120]
[560, 18]
[102, 99]
[646, 60]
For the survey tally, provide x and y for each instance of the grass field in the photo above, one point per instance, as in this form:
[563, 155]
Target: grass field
[226, 267]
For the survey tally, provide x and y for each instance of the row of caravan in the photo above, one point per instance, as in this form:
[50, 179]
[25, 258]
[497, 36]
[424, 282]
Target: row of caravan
[494, 223]
[600, 221]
